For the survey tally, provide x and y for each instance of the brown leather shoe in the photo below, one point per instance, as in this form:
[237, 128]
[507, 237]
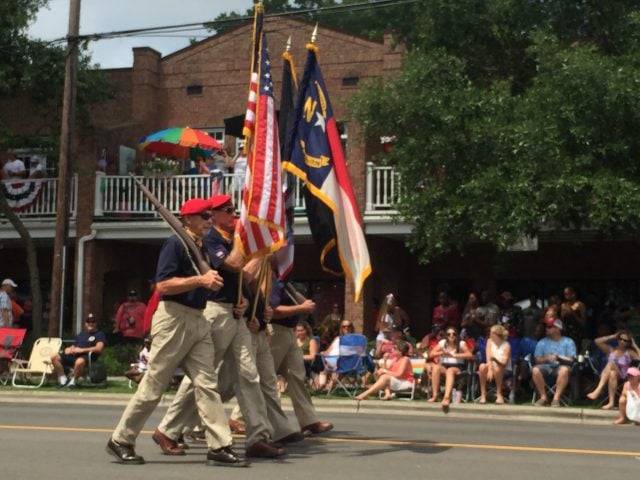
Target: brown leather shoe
[236, 427]
[264, 449]
[316, 428]
[291, 438]
[168, 446]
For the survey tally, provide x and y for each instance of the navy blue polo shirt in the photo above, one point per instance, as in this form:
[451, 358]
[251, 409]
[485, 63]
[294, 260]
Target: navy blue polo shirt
[174, 261]
[218, 250]
[280, 297]
[89, 339]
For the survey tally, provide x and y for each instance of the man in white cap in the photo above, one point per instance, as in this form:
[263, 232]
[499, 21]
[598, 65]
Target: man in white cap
[6, 314]
[553, 358]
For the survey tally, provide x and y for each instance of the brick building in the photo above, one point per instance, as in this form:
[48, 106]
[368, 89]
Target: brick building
[116, 238]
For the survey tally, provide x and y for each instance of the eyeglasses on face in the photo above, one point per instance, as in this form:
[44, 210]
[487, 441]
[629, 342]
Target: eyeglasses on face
[346, 326]
[622, 339]
[228, 209]
[451, 334]
[205, 215]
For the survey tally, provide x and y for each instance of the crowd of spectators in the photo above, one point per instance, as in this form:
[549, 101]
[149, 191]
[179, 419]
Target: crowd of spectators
[543, 351]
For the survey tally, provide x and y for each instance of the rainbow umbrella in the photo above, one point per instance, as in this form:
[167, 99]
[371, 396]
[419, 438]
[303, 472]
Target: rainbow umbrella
[180, 143]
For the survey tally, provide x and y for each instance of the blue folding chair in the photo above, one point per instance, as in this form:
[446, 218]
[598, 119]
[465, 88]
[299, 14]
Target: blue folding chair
[350, 365]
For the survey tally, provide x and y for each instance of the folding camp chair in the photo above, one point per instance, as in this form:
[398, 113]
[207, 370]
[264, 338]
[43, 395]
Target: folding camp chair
[418, 364]
[39, 365]
[350, 363]
[10, 342]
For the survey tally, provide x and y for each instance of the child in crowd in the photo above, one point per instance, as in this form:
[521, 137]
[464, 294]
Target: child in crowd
[137, 370]
[630, 387]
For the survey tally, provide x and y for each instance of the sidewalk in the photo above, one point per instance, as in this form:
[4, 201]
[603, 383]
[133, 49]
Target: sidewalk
[525, 413]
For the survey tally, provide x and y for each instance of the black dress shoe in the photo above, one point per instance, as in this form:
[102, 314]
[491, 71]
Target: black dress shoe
[123, 453]
[226, 457]
[291, 438]
[182, 443]
[262, 449]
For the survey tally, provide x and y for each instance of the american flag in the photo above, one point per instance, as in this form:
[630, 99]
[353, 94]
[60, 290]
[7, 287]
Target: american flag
[250, 115]
[262, 221]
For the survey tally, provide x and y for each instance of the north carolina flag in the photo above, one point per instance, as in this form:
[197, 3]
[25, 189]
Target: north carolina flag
[317, 158]
[261, 228]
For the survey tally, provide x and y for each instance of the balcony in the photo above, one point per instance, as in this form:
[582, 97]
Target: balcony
[119, 202]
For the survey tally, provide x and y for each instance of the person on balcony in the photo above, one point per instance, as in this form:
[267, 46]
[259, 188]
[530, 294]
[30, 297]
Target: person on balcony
[14, 168]
[36, 169]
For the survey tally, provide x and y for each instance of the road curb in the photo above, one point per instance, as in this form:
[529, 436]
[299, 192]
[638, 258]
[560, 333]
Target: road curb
[574, 415]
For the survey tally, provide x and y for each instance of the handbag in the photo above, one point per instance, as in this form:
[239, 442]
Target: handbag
[633, 406]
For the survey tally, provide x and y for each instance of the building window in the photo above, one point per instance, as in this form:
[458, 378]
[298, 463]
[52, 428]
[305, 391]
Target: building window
[217, 133]
[194, 90]
[342, 130]
[350, 81]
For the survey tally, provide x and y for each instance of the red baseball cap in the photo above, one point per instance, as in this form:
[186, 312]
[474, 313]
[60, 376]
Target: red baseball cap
[219, 200]
[194, 206]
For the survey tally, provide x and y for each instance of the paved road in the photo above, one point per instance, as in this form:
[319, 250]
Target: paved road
[44, 441]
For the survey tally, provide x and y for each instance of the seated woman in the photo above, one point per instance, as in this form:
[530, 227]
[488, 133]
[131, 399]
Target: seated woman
[452, 353]
[618, 362]
[498, 362]
[630, 387]
[398, 376]
[309, 346]
[330, 355]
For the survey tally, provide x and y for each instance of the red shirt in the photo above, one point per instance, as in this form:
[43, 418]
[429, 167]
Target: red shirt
[151, 309]
[130, 319]
[449, 315]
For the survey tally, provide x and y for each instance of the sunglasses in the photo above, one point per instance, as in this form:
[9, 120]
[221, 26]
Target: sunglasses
[451, 334]
[346, 326]
[205, 215]
[226, 210]
[625, 339]
[90, 321]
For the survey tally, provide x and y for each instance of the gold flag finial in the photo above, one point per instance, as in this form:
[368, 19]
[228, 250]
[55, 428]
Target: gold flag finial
[288, 48]
[314, 35]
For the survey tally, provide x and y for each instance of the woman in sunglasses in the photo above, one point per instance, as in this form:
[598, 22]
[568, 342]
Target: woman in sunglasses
[452, 354]
[619, 358]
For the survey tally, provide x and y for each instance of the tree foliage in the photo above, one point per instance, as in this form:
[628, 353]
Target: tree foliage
[513, 116]
[368, 20]
[35, 69]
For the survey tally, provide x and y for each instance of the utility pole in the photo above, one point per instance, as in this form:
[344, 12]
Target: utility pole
[64, 172]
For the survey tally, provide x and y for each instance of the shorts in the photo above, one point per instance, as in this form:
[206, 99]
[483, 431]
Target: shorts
[396, 384]
[550, 372]
[70, 360]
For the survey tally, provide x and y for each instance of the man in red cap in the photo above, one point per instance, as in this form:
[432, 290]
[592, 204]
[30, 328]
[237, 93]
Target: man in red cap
[181, 337]
[231, 340]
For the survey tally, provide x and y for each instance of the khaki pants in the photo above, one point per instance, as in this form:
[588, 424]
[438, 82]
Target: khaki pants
[181, 337]
[288, 361]
[269, 384]
[235, 366]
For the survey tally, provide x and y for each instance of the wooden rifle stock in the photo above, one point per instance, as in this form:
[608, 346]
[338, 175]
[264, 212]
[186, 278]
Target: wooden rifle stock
[176, 225]
[294, 294]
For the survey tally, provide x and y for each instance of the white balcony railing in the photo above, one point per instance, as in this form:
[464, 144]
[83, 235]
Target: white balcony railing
[43, 204]
[119, 196]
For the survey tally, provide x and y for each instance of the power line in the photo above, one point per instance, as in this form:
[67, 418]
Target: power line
[191, 27]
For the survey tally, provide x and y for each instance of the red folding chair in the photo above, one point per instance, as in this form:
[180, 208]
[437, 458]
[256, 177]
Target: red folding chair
[10, 342]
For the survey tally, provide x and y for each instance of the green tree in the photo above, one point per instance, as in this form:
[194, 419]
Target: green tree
[368, 20]
[512, 117]
[35, 70]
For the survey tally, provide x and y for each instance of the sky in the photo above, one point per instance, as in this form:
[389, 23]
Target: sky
[99, 16]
